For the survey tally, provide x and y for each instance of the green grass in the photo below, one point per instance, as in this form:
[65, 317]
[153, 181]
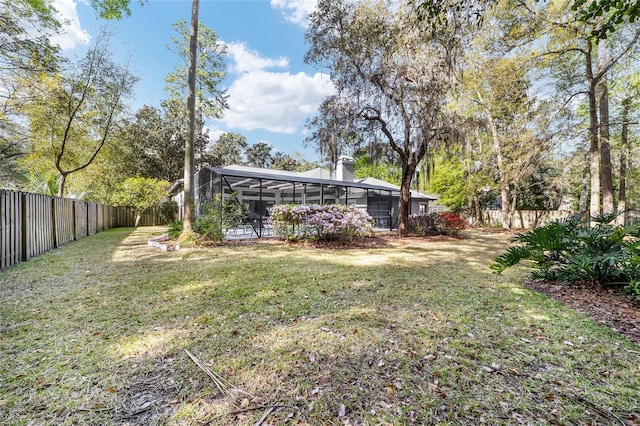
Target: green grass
[423, 333]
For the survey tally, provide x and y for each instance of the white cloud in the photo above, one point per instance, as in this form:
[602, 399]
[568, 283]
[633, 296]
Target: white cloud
[72, 32]
[295, 11]
[279, 102]
[246, 60]
[276, 101]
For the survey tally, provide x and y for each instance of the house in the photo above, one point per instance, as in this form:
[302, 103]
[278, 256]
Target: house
[259, 189]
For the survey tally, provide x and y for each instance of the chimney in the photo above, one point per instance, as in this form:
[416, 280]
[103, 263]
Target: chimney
[344, 170]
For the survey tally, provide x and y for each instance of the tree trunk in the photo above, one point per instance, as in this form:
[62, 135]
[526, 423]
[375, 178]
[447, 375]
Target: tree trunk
[514, 203]
[605, 148]
[403, 203]
[624, 154]
[504, 182]
[584, 190]
[189, 154]
[478, 210]
[138, 216]
[62, 182]
[594, 152]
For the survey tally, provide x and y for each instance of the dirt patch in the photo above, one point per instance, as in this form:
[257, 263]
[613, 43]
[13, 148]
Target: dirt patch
[610, 306]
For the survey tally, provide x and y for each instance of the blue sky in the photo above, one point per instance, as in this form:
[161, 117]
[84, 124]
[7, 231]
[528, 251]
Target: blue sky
[272, 92]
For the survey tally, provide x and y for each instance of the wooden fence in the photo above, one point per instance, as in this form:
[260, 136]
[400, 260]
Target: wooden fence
[527, 219]
[31, 224]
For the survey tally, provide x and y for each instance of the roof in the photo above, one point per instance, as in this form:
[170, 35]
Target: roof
[287, 176]
[318, 176]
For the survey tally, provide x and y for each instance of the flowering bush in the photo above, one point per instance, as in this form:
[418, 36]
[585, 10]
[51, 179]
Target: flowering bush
[316, 222]
[453, 223]
[436, 224]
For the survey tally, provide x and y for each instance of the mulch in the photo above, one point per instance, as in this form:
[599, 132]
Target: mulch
[609, 306]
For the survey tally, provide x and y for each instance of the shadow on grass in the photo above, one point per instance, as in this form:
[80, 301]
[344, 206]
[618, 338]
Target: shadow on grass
[419, 333]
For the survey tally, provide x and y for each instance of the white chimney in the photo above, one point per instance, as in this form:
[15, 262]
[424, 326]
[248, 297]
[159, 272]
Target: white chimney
[344, 170]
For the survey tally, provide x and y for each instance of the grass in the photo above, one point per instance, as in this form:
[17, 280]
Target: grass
[419, 333]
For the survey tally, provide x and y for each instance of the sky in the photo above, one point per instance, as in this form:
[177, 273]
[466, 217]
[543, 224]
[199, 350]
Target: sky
[272, 92]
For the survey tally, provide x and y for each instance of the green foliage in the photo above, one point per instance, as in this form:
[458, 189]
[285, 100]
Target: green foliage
[426, 224]
[141, 193]
[634, 288]
[450, 181]
[282, 161]
[154, 141]
[175, 229]
[610, 14]
[259, 155]
[168, 210]
[217, 217]
[112, 9]
[211, 66]
[572, 250]
[42, 180]
[227, 150]
[365, 166]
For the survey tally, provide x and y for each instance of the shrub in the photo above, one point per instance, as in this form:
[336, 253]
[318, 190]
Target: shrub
[218, 216]
[168, 210]
[453, 223]
[572, 250]
[426, 224]
[436, 224]
[175, 229]
[316, 222]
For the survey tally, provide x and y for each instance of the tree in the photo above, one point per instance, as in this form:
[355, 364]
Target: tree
[200, 76]
[72, 116]
[227, 150]
[332, 130]
[155, 143]
[516, 122]
[210, 98]
[551, 31]
[141, 193]
[282, 161]
[259, 155]
[396, 76]
[189, 195]
[379, 168]
[608, 14]
[566, 44]
[113, 9]
[25, 54]
[615, 12]
[625, 91]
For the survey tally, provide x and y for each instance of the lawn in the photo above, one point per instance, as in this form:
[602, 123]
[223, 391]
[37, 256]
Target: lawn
[419, 332]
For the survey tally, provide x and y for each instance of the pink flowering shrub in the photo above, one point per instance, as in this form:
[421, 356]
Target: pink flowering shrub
[316, 222]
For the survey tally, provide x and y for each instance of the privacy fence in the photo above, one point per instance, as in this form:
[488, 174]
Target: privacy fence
[31, 224]
[527, 219]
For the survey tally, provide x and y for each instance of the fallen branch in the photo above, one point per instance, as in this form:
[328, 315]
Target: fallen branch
[269, 408]
[223, 385]
[602, 411]
[266, 414]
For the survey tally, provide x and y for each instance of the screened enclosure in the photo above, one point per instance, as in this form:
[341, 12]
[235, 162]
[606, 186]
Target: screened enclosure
[256, 190]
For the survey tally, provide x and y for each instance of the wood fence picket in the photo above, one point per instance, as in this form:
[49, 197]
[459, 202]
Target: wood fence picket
[31, 224]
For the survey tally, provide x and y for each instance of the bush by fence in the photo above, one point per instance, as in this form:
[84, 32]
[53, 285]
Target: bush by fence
[31, 224]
